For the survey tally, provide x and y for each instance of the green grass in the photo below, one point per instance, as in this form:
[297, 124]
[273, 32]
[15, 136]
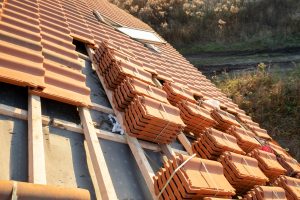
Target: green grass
[246, 45]
[272, 99]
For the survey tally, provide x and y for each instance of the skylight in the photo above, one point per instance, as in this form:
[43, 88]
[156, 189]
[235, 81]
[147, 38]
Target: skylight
[142, 35]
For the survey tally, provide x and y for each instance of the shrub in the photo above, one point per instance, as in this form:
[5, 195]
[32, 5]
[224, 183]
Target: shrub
[271, 99]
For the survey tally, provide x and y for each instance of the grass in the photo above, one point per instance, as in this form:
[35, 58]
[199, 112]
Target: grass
[245, 59]
[271, 99]
[252, 44]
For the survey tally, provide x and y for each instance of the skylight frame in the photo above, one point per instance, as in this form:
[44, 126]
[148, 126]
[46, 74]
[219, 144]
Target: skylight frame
[149, 37]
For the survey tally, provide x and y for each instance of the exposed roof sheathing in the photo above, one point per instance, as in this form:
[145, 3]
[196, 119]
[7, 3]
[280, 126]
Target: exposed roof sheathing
[36, 50]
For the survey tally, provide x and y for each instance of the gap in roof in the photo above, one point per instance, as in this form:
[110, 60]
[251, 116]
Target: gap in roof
[149, 38]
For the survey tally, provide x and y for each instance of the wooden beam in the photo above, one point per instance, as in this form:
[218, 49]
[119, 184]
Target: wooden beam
[104, 181]
[133, 143]
[13, 112]
[185, 143]
[143, 164]
[167, 150]
[73, 127]
[36, 151]
[101, 108]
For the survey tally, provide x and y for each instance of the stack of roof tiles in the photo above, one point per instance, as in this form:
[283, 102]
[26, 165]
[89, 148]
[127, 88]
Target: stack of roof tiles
[242, 172]
[212, 143]
[252, 125]
[265, 193]
[152, 120]
[245, 138]
[195, 117]
[290, 185]
[268, 163]
[290, 164]
[225, 120]
[117, 72]
[195, 179]
[178, 92]
[131, 87]
[36, 50]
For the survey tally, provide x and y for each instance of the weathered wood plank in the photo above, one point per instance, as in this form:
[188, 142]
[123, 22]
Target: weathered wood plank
[13, 112]
[36, 150]
[133, 143]
[185, 143]
[101, 108]
[104, 181]
[70, 126]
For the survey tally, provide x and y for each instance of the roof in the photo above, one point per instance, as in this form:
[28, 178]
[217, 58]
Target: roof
[37, 51]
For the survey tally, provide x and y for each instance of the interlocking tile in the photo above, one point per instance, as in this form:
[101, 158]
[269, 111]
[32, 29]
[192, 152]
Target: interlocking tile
[290, 185]
[290, 164]
[225, 120]
[212, 143]
[242, 172]
[177, 92]
[268, 163]
[152, 120]
[195, 117]
[63, 78]
[265, 192]
[198, 178]
[77, 25]
[245, 138]
[21, 59]
[131, 87]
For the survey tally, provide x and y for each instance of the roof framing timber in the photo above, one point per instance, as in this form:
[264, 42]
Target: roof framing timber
[73, 127]
[36, 150]
[104, 181]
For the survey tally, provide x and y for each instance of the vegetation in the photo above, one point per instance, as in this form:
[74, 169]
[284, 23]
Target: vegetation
[195, 26]
[271, 99]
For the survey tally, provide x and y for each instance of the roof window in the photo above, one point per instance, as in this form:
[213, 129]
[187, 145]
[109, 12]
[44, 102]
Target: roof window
[149, 38]
[141, 35]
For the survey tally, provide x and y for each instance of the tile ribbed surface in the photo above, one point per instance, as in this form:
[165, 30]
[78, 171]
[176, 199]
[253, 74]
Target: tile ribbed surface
[36, 50]
[77, 25]
[21, 59]
[63, 78]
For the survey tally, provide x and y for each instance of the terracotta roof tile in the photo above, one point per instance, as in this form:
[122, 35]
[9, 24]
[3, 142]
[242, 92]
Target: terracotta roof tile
[77, 25]
[63, 78]
[290, 185]
[268, 164]
[242, 172]
[21, 59]
[152, 120]
[266, 192]
[212, 143]
[197, 178]
[245, 138]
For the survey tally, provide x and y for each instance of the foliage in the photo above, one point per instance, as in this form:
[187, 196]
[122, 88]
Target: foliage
[183, 22]
[271, 99]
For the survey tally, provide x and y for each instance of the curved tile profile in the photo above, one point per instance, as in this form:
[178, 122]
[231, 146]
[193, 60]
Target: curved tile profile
[21, 59]
[198, 178]
[77, 25]
[63, 78]
[290, 185]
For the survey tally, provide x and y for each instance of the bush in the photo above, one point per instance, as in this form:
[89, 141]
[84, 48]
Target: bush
[203, 21]
[271, 99]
